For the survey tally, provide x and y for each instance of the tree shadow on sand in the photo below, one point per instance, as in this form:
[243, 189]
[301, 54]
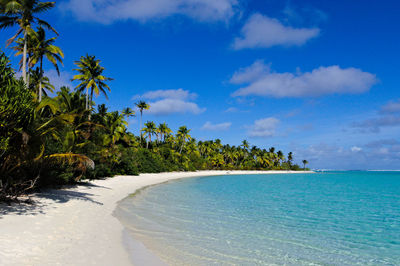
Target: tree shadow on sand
[39, 201]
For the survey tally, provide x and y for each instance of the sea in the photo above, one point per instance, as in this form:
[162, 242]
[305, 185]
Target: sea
[326, 218]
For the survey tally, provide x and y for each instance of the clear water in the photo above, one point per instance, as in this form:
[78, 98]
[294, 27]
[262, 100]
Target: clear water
[335, 218]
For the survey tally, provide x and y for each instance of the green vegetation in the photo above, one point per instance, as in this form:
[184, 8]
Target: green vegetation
[61, 139]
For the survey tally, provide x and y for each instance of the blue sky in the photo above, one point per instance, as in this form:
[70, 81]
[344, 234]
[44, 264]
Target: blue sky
[319, 78]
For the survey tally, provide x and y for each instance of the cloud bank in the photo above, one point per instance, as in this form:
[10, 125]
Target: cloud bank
[216, 127]
[166, 102]
[109, 11]
[265, 127]
[262, 32]
[388, 116]
[259, 80]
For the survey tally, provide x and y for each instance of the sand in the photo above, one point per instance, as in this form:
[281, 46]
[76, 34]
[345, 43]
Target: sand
[76, 226]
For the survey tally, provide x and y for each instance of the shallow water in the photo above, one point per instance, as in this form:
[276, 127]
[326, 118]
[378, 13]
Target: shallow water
[334, 218]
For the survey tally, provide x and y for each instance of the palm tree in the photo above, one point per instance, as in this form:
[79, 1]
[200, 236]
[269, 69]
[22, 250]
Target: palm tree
[150, 129]
[116, 125]
[280, 155]
[39, 82]
[19, 48]
[183, 135]
[45, 48]
[23, 13]
[164, 131]
[142, 105]
[91, 77]
[128, 112]
[304, 163]
[245, 145]
[290, 159]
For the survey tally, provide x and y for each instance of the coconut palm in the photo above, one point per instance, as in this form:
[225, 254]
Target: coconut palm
[45, 48]
[23, 13]
[183, 136]
[290, 159]
[150, 129]
[164, 131]
[128, 112]
[19, 49]
[38, 82]
[280, 156]
[116, 126]
[142, 105]
[91, 77]
[304, 163]
[245, 145]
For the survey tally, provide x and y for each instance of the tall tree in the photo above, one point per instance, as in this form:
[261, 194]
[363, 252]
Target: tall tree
[290, 159]
[164, 131]
[39, 82]
[150, 129]
[183, 136]
[23, 13]
[45, 48]
[142, 105]
[305, 162]
[128, 112]
[91, 77]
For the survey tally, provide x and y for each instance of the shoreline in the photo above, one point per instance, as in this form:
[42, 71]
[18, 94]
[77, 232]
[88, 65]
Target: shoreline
[76, 225]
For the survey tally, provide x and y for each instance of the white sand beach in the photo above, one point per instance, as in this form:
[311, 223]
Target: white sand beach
[76, 226]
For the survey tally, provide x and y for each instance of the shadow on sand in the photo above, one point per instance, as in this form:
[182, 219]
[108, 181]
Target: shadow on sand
[36, 204]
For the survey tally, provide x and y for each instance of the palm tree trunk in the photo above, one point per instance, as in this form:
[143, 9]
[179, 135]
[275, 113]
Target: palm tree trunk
[90, 104]
[140, 132]
[41, 77]
[87, 98]
[28, 76]
[24, 57]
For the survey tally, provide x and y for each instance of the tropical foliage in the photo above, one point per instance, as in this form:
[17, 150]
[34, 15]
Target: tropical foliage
[64, 137]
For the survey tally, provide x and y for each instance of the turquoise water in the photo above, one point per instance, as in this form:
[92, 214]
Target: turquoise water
[334, 218]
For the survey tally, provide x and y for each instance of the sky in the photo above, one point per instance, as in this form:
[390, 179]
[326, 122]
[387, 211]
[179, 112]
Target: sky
[315, 77]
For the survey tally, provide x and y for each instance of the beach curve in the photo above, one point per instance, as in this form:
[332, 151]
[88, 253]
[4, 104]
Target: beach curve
[76, 225]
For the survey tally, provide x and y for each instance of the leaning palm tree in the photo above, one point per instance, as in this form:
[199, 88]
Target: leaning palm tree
[304, 163]
[183, 135]
[91, 77]
[23, 13]
[142, 105]
[45, 48]
[19, 49]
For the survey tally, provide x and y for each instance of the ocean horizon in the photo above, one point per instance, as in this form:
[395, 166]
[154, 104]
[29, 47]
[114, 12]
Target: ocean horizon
[325, 218]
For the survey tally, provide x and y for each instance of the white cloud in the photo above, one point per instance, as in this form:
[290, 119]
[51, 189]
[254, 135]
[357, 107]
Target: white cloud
[170, 106]
[263, 32]
[264, 127]
[58, 81]
[170, 94]
[248, 74]
[355, 149]
[232, 110]
[166, 102]
[391, 107]
[321, 81]
[388, 116]
[108, 11]
[216, 127]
